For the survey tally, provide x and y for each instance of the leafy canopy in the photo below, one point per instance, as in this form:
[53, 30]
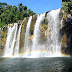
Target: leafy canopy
[67, 4]
[11, 14]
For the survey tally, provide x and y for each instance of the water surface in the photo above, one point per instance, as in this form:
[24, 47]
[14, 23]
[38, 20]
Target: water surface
[61, 64]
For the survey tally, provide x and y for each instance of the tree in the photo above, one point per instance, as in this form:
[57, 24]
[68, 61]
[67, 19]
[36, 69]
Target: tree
[20, 7]
[67, 4]
[11, 14]
[25, 7]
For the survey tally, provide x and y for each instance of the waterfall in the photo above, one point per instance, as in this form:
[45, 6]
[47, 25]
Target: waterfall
[27, 34]
[35, 46]
[50, 46]
[16, 51]
[53, 43]
[11, 37]
[62, 19]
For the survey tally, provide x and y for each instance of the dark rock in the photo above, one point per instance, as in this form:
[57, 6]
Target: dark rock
[20, 21]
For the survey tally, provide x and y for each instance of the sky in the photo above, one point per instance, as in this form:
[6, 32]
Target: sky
[38, 6]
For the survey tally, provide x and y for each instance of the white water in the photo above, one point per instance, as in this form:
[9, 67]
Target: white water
[11, 37]
[17, 46]
[62, 20]
[50, 48]
[54, 45]
[35, 46]
[27, 34]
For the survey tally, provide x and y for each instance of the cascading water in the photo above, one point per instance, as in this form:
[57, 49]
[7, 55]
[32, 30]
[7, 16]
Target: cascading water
[16, 51]
[11, 37]
[27, 34]
[51, 47]
[53, 43]
[62, 19]
[36, 47]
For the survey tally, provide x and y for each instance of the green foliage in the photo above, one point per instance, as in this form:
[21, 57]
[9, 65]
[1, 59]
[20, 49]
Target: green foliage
[67, 5]
[11, 14]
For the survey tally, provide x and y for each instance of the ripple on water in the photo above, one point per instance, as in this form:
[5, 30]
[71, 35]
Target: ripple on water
[36, 65]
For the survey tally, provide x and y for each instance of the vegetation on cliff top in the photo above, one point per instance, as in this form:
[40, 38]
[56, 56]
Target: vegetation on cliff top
[11, 14]
[67, 4]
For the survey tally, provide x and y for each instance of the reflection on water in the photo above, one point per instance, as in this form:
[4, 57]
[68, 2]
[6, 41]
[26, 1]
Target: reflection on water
[36, 65]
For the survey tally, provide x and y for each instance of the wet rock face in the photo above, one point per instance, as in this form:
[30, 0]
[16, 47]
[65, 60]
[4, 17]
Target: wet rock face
[3, 36]
[34, 18]
[66, 33]
[69, 45]
[20, 21]
[69, 38]
[64, 43]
